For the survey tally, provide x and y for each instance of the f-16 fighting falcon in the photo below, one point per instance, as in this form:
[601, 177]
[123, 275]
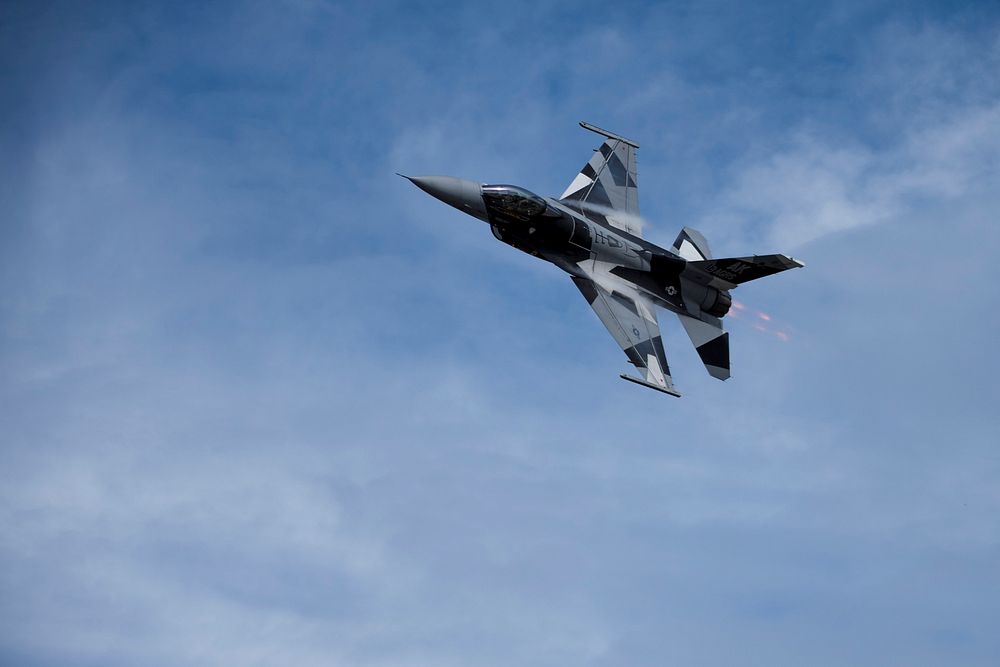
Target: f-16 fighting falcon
[592, 233]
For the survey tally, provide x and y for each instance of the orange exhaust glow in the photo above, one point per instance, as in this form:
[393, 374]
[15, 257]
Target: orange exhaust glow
[762, 322]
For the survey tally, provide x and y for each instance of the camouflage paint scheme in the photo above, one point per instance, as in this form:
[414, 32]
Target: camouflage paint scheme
[592, 232]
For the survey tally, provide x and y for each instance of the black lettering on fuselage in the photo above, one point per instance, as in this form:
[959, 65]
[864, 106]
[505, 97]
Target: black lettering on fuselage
[607, 239]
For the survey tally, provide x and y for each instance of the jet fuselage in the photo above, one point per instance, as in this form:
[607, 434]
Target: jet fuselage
[591, 233]
[565, 236]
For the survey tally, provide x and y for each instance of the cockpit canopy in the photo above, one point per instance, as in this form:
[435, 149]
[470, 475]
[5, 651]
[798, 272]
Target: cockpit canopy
[513, 201]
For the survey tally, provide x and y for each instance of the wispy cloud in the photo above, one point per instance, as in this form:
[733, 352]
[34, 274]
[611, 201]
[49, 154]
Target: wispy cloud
[937, 141]
[814, 187]
[263, 402]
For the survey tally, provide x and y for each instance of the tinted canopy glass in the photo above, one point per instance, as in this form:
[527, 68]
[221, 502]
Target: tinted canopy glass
[513, 200]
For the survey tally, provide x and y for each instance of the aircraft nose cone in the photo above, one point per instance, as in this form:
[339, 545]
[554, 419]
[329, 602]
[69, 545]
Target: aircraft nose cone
[464, 195]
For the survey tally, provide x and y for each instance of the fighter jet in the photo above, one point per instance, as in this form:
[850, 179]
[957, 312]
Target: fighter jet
[592, 232]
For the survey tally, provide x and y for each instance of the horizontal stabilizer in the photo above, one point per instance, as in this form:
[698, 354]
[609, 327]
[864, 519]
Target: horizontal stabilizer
[729, 272]
[711, 343]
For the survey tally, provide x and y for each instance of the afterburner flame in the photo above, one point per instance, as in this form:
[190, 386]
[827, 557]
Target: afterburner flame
[762, 322]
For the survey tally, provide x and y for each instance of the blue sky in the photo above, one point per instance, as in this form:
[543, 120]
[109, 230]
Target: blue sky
[263, 402]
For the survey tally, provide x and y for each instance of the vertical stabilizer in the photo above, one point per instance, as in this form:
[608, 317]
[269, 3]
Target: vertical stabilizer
[692, 246]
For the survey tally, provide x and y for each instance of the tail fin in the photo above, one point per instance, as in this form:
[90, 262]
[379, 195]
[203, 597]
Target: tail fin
[692, 246]
[711, 343]
[732, 271]
[706, 333]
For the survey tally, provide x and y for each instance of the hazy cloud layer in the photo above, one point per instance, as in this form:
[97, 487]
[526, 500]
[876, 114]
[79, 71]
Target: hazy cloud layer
[263, 402]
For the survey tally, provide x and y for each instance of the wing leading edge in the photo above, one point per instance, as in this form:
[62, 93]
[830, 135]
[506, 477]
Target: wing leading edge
[631, 320]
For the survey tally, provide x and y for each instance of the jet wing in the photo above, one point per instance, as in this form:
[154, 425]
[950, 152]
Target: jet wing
[606, 186]
[631, 319]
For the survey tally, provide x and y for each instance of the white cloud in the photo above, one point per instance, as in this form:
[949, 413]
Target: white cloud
[927, 94]
[813, 187]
